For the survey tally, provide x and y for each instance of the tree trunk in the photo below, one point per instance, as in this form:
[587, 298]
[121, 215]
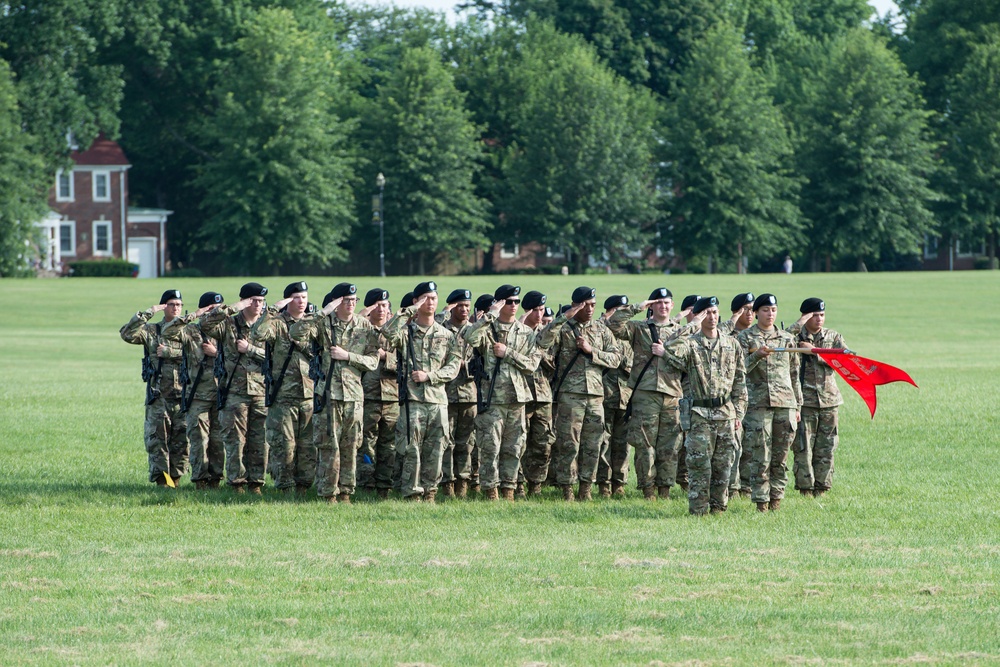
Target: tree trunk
[993, 248]
[861, 265]
[739, 258]
[829, 263]
[578, 263]
[420, 261]
[488, 259]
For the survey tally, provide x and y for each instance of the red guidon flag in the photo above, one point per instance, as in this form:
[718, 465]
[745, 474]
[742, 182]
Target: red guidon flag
[863, 374]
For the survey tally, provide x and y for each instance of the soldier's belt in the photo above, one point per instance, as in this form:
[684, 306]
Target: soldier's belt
[710, 402]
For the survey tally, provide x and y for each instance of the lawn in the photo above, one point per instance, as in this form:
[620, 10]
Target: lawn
[899, 564]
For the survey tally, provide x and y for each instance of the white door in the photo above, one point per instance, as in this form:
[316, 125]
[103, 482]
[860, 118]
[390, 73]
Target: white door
[142, 251]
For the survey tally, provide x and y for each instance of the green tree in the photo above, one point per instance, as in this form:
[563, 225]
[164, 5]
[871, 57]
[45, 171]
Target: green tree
[866, 153]
[276, 186]
[729, 158]
[419, 134]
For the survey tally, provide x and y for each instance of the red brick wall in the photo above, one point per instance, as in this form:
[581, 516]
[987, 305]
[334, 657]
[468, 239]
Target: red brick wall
[84, 211]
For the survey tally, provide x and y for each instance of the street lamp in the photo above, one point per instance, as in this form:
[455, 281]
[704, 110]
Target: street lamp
[379, 211]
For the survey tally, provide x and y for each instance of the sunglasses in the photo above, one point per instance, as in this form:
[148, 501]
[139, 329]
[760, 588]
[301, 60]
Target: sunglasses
[512, 302]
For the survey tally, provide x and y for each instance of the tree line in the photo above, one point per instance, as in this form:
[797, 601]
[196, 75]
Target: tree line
[727, 133]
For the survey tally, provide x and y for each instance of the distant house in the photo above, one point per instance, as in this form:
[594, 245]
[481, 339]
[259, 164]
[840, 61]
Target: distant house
[90, 219]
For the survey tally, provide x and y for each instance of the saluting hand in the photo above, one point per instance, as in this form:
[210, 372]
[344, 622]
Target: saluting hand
[284, 302]
[684, 313]
[574, 309]
[332, 306]
[160, 307]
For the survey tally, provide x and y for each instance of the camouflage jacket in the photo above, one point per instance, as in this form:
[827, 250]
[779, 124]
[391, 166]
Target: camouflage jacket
[463, 388]
[819, 380]
[773, 381]
[139, 331]
[728, 328]
[541, 380]
[660, 376]
[616, 388]
[200, 367]
[583, 374]
[273, 329]
[244, 372]
[514, 372]
[715, 370]
[343, 378]
[430, 349]
[380, 384]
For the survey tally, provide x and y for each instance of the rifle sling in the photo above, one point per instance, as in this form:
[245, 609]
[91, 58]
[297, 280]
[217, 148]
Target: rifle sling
[655, 336]
[281, 376]
[496, 368]
[562, 378]
[239, 356]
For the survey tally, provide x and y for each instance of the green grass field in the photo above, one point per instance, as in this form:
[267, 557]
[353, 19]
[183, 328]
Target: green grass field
[899, 564]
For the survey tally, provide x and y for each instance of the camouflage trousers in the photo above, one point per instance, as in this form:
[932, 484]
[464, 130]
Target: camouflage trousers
[612, 468]
[166, 440]
[684, 405]
[769, 435]
[655, 432]
[290, 435]
[538, 443]
[243, 435]
[711, 449]
[204, 433]
[337, 436]
[456, 462]
[735, 479]
[579, 432]
[419, 451]
[377, 456]
[815, 443]
[501, 434]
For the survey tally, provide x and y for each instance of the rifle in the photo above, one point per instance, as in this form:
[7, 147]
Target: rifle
[558, 385]
[493, 375]
[185, 378]
[268, 377]
[403, 380]
[655, 336]
[150, 374]
[329, 380]
[316, 374]
[478, 371]
[220, 368]
[269, 396]
[197, 379]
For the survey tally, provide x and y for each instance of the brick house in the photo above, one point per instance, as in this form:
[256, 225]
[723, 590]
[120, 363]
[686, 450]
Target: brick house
[90, 219]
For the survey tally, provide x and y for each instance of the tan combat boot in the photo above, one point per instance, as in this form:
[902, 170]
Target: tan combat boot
[664, 492]
[430, 495]
[383, 494]
[774, 504]
[255, 490]
[461, 488]
[567, 492]
[214, 483]
[240, 489]
[448, 489]
[492, 494]
[649, 493]
[534, 489]
[617, 490]
[201, 485]
[301, 490]
[507, 494]
[819, 493]
[806, 492]
[344, 498]
[762, 507]
[584, 493]
[519, 492]
[331, 500]
[605, 490]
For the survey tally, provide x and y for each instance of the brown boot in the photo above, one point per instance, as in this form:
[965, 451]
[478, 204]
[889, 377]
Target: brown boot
[448, 490]
[745, 493]
[214, 483]
[762, 507]
[177, 481]
[383, 494]
[344, 498]
[201, 484]
[255, 490]
[415, 498]
[492, 494]
[774, 504]
[507, 494]
[474, 487]
[301, 490]
[567, 492]
[649, 493]
[534, 489]
[717, 510]
[605, 490]
[519, 492]
[332, 500]
[617, 491]
[160, 480]
[239, 489]
[584, 493]
[819, 493]
[806, 492]
[461, 488]
[664, 492]
[429, 496]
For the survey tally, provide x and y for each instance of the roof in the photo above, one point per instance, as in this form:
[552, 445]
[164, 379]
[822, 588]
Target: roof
[101, 153]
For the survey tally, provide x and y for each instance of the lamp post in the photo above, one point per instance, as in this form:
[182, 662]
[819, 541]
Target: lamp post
[380, 215]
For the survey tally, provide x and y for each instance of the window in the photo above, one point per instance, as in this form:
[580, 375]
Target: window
[930, 246]
[510, 251]
[555, 252]
[102, 237]
[64, 185]
[102, 186]
[67, 237]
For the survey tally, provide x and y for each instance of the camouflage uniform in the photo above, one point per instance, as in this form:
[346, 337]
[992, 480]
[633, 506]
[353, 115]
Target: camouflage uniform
[654, 428]
[715, 370]
[289, 417]
[538, 416]
[243, 417]
[500, 429]
[817, 436]
[376, 458]
[204, 431]
[421, 435]
[337, 427]
[164, 434]
[774, 399]
[456, 463]
[580, 402]
[613, 465]
[739, 475]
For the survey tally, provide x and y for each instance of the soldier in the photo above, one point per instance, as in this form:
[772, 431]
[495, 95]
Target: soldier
[538, 412]
[742, 318]
[482, 306]
[582, 349]
[456, 464]
[654, 427]
[742, 314]
[238, 367]
[612, 470]
[164, 434]
[713, 363]
[817, 435]
[773, 404]
[290, 394]
[346, 345]
[201, 405]
[376, 456]
[430, 361]
[685, 403]
[547, 316]
[507, 348]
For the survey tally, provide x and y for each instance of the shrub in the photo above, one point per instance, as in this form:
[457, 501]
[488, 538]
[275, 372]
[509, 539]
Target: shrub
[103, 268]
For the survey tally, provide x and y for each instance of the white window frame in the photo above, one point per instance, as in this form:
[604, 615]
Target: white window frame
[72, 237]
[72, 189]
[932, 245]
[111, 242]
[555, 254]
[107, 189]
[507, 254]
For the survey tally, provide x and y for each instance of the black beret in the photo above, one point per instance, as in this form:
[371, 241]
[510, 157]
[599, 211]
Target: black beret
[532, 300]
[424, 288]
[407, 300]
[210, 299]
[459, 295]
[375, 295]
[581, 294]
[506, 292]
[251, 290]
[563, 309]
[343, 289]
[548, 311]
[689, 301]
[812, 305]
[660, 293]
[328, 298]
[764, 300]
[704, 303]
[295, 288]
[615, 300]
[741, 300]
[483, 303]
[311, 308]
[170, 294]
